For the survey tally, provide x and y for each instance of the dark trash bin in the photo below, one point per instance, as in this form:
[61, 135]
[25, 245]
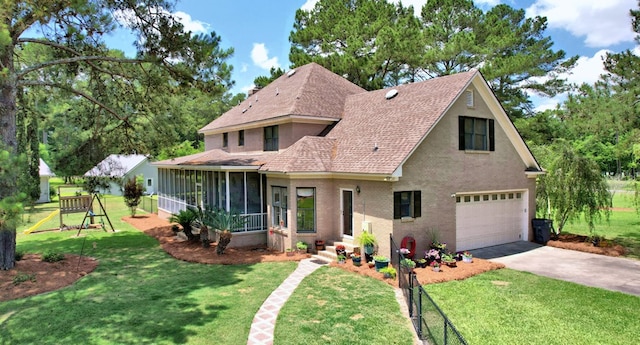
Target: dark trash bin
[541, 230]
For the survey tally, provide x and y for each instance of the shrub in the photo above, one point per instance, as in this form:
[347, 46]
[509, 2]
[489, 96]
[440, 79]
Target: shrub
[50, 256]
[18, 255]
[132, 195]
[23, 277]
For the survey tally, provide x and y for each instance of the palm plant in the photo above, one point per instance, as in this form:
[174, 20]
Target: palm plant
[185, 218]
[224, 221]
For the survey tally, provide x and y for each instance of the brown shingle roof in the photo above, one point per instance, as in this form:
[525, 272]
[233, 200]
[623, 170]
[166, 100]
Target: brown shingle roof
[311, 91]
[377, 134]
[218, 157]
[309, 154]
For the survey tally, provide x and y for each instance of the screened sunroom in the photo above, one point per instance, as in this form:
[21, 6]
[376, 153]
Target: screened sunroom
[229, 189]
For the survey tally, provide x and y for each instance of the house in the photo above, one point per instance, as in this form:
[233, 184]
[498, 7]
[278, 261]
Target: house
[313, 156]
[45, 174]
[120, 168]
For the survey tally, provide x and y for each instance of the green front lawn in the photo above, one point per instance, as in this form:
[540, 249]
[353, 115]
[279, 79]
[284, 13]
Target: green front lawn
[511, 307]
[333, 306]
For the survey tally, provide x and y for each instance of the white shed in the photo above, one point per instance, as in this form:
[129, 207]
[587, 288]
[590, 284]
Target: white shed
[45, 175]
[123, 167]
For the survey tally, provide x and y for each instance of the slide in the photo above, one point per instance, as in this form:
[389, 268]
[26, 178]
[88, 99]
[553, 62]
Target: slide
[38, 224]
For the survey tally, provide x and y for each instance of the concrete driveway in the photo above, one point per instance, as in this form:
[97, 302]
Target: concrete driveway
[611, 273]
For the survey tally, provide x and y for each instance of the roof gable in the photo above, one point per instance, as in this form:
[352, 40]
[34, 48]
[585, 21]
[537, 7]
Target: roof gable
[116, 165]
[308, 91]
[44, 169]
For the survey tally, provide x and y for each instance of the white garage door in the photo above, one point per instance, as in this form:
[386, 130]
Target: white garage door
[488, 219]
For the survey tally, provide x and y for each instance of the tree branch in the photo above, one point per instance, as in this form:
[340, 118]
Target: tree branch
[79, 58]
[77, 92]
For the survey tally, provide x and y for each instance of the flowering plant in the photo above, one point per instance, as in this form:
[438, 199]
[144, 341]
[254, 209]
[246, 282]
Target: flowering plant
[435, 264]
[432, 254]
[355, 256]
[467, 255]
[340, 247]
[404, 251]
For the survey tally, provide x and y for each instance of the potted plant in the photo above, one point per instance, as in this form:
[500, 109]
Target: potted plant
[319, 245]
[408, 263]
[467, 257]
[302, 247]
[404, 251]
[356, 259]
[448, 260]
[371, 264]
[341, 259]
[435, 266]
[341, 250]
[388, 272]
[422, 263]
[381, 261]
[289, 251]
[367, 241]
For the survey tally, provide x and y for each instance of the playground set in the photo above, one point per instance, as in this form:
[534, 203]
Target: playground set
[79, 203]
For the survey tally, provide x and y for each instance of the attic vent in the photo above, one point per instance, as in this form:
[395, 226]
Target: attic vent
[244, 110]
[290, 73]
[392, 93]
[277, 91]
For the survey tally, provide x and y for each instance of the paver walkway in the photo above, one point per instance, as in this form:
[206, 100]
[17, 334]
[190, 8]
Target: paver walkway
[264, 322]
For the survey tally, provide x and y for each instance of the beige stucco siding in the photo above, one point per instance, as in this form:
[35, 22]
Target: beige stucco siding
[439, 169]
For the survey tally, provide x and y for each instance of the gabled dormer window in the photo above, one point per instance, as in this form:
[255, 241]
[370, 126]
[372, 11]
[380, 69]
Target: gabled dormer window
[271, 138]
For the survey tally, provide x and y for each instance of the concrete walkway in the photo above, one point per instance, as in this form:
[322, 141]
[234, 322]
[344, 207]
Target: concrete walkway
[263, 325]
[611, 273]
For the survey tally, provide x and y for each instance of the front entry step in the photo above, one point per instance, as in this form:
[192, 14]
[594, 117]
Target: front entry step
[329, 254]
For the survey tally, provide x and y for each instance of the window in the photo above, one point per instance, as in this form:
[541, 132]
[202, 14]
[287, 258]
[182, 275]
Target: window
[279, 206]
[271, 138]
[241, 138]
[407, 204]
[306, 206]
[476, 134]
[225, 139]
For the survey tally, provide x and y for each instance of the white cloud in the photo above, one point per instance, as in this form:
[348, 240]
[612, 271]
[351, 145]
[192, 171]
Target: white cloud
[260, 57]
[587, 69]
[194, 26]
[601, 23]
[309, 5]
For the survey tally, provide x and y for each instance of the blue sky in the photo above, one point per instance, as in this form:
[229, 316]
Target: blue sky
[258, 31]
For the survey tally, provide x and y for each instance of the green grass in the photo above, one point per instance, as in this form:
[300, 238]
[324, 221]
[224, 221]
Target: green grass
[623, 226]
[333, 306]
[511, 307]
[138, 294]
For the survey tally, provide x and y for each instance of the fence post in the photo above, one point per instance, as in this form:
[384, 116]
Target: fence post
[446, 341]
[420, 313]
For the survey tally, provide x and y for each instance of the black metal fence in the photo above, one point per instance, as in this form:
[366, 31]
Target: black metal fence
[428, 319]
[149, 203]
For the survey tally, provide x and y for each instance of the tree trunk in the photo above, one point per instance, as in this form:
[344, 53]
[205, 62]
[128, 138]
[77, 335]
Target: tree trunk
[8, 137]
[8, 100]
[7, 248]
